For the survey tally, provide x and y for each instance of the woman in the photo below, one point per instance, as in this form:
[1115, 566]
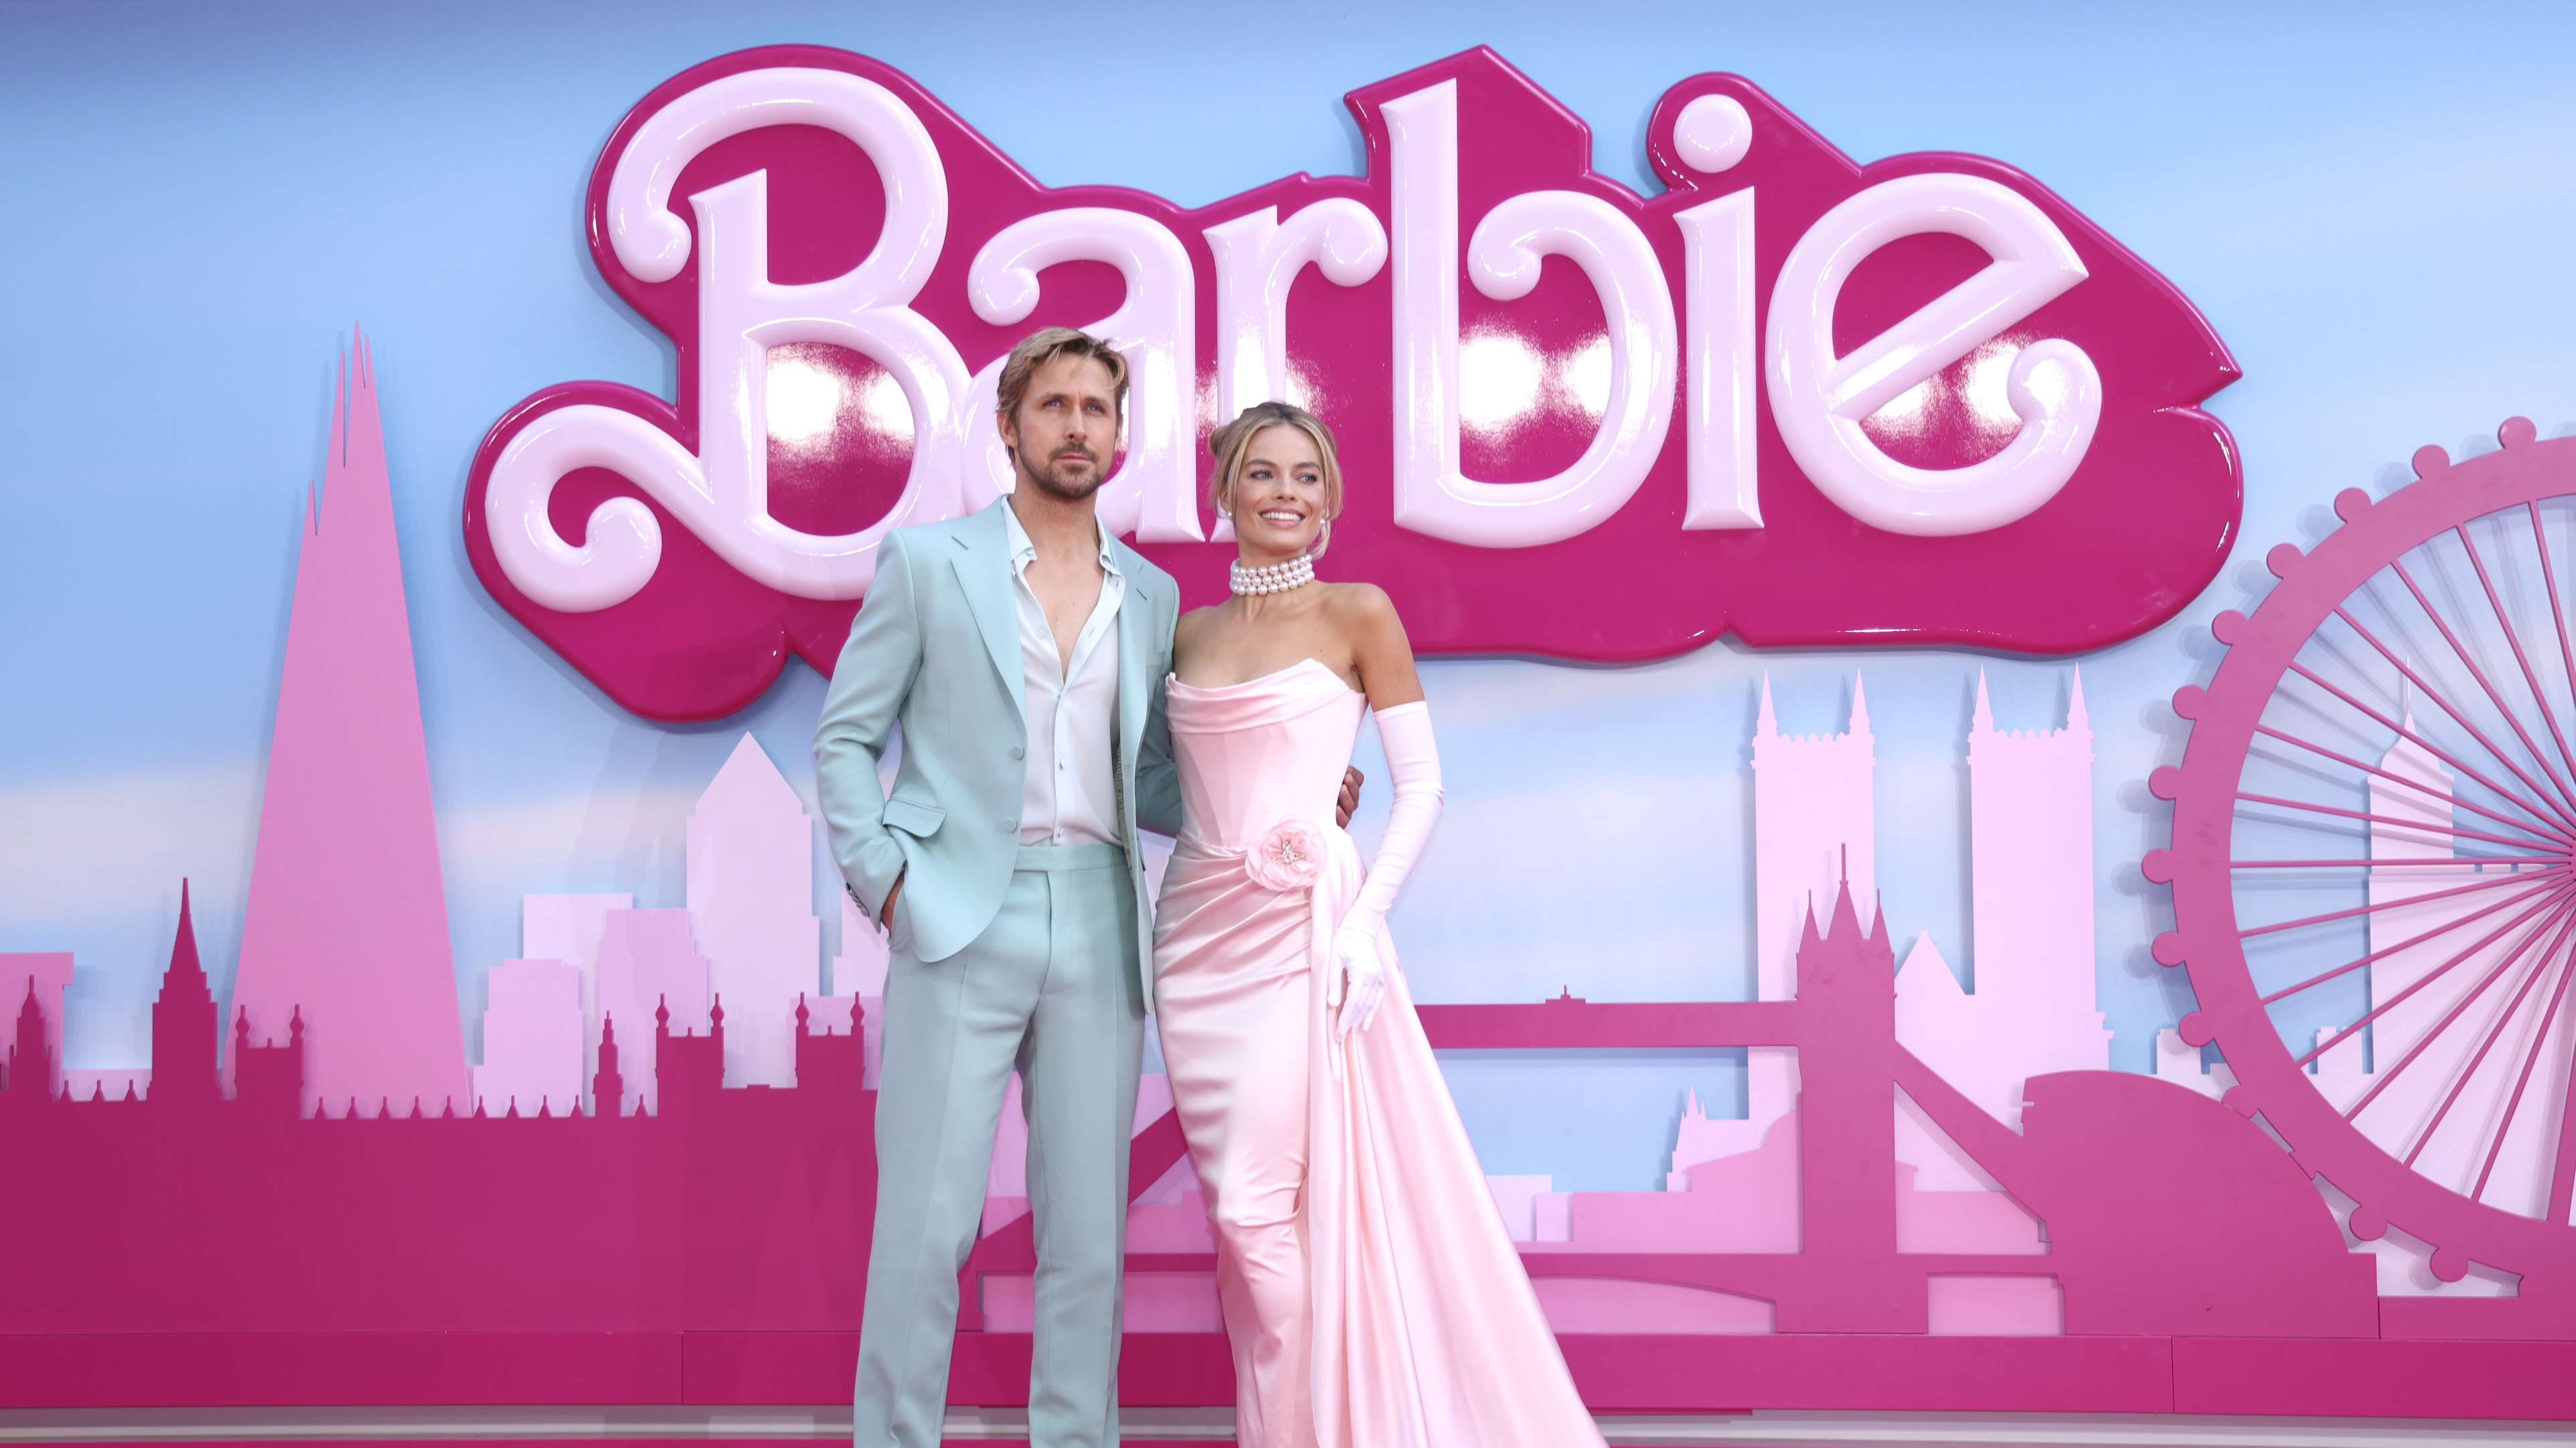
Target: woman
[1372, 1296]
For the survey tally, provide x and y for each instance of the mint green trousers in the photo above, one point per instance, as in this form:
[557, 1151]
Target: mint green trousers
[1048, 989]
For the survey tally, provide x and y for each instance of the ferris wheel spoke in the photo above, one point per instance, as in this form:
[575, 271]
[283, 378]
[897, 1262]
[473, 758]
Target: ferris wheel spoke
[2521, 660]
[2508, 821]
[2441, 699]
[2530, 1059]
[2424, 825]
[2543, 809]
[2479, 673]
[2557, 905]
[2557, 608]
[2445, 928]
[2476, 673]
[2511, 957]
[2495, 1033]
[2493, 882]
[2444, 862]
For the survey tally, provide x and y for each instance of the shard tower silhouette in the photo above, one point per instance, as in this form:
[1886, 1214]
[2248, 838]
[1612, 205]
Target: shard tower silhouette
[347, 919]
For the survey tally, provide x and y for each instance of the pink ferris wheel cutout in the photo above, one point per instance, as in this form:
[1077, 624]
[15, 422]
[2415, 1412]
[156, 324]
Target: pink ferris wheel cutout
[2374, 861]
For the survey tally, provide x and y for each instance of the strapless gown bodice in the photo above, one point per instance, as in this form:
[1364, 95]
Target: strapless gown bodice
[1255, 753]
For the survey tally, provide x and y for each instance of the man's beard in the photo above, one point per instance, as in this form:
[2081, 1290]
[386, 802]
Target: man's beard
[1056, 482]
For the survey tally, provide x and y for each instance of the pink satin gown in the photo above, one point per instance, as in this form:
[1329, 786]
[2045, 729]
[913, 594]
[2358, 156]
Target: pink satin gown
[1371, 1294]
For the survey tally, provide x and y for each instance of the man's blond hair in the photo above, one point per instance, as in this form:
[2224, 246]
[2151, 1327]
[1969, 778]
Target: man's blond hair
[1048, 345]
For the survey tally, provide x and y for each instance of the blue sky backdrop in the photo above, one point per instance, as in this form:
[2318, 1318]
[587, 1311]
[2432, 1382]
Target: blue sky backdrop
[2372, 206]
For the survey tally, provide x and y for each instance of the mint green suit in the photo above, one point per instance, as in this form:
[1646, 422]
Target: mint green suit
[1035, 958]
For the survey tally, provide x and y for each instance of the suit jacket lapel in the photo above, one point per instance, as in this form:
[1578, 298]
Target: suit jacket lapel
[1135, 658]
[984, 571]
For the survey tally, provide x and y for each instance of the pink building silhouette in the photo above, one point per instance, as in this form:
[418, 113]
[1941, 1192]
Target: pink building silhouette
[269, 1078]
[186, 1028]
[31, 1077]
[45, 975]
[2031, 930]
[1735, 1185]
[532, 1038]
[748, 936]
[649, 966]
[347, 915]
[608, 1083]
[568, 928]
[1814, 824]
[1765, 1203]
[751, 902]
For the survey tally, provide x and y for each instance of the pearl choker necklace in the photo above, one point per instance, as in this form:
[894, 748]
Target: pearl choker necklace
[1275, 577]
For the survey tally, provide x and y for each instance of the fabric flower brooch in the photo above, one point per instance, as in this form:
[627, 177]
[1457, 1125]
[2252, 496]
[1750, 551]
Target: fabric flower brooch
[1287, 856]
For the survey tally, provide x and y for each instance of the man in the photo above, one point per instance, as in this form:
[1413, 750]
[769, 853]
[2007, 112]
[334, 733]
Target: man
[1023, 650]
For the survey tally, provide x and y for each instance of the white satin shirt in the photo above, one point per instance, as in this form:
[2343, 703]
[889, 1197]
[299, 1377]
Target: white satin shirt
[1070, 797]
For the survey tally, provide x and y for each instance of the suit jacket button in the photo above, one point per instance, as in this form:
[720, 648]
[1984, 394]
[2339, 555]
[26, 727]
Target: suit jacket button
[1017, 751]
[1010, 824]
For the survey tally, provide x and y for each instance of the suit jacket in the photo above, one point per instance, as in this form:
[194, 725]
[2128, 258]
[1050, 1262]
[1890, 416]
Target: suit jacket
[936, 647]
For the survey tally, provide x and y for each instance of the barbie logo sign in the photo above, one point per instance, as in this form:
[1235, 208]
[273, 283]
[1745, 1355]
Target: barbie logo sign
[1792, 397]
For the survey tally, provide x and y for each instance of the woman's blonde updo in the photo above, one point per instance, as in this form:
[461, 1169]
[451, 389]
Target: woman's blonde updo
[1232, 445]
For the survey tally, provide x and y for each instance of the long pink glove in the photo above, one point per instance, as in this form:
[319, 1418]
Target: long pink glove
[1414, 766]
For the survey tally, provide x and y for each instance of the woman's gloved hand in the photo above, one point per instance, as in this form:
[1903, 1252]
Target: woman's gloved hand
[1363, 976]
